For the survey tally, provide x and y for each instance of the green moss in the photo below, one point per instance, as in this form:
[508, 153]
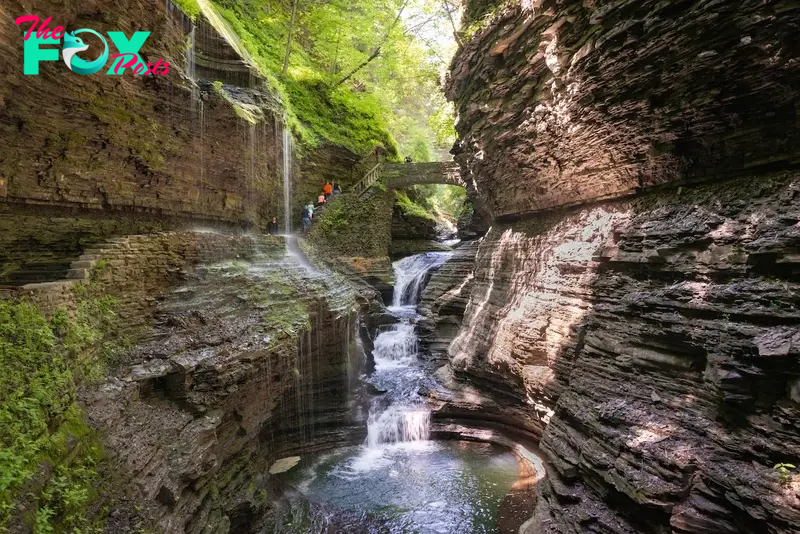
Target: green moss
[481, 13]
[411, 208]
[40, 423]
[127, 124]
[354, 227]
[190, 7]
[316, 113]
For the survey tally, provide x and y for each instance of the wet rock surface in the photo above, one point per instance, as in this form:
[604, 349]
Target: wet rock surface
[564, 102]
[444, 300]
[139, 153]
[651, 347]
[247, 363]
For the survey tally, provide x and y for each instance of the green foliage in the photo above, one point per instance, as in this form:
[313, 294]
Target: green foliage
[420, 151]
[449, 201]
[411, 208]
[785, 473]
[190, 7]
[43, 362]
[397, 92]
[480, 14]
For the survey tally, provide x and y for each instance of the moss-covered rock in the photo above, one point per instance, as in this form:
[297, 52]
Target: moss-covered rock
[352, 226]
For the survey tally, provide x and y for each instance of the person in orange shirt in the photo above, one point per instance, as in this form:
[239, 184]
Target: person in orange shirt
[328, 190]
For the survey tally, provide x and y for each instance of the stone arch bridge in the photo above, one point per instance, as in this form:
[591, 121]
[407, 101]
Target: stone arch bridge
[402, 175]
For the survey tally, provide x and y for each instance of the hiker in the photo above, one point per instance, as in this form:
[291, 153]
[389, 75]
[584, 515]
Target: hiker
[408, 159]
[321, 200]
[336, 188]
[327, 190]
[308, 213]
[273, 227]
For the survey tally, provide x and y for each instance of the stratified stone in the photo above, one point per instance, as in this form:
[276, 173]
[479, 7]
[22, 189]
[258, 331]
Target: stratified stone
[652, 346]
[561, 102]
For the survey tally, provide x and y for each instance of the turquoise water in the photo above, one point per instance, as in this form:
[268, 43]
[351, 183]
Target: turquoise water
[423, 487]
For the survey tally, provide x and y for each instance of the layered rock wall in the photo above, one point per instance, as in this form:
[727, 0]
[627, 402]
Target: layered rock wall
[246, 364]
[444, 301]
[136, 270]
[564, 102]
[177, 147]
[652, 347]
[228, 355]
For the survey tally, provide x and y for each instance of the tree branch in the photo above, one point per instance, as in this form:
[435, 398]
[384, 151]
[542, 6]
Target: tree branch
[377, 51]
[452, 23]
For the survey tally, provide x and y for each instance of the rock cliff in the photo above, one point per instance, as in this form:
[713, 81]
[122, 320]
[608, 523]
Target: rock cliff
[564, 102]
[247, 363]
[645, 333]
[218, 356]
[651, 347]
[176, 148]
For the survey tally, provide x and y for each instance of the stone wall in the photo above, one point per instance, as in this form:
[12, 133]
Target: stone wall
[354, 235]
[652, 347]
[236, 356]
[175, 148]
[564, 102]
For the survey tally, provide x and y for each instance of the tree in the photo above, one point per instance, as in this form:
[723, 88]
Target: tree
[377, 50]
[289, 39]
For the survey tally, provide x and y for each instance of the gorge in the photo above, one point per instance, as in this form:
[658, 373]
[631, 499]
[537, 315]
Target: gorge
[587, 321]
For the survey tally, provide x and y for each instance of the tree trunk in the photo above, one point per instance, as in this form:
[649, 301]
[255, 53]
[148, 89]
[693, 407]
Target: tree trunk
[289, 39]
[452, 23]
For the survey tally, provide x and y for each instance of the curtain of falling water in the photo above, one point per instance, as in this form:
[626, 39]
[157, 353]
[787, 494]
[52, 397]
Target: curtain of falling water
[287, 177]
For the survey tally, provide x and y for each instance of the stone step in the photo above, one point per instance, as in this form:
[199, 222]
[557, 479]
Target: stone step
[31, 276]
[54, 265]
[83, 264]
[77, 274]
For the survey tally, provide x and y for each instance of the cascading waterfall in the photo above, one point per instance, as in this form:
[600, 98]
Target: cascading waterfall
[400, 416]
[287, 178]
[411, 276]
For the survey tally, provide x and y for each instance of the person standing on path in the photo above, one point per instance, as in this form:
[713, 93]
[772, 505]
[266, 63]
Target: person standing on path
[327, 189]
[273, 227]
[307, 214]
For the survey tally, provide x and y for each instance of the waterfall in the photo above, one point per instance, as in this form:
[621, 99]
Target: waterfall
[411, 275]
[287, 178]
[397, 425]
[400, 416]
[198, 110]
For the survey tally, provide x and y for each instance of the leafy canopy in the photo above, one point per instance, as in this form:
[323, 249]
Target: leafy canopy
[391, 99]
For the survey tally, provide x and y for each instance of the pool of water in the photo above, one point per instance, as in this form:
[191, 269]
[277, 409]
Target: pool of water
[423, 487]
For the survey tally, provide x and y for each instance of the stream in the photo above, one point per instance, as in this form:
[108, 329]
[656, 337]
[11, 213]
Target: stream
[399, 478]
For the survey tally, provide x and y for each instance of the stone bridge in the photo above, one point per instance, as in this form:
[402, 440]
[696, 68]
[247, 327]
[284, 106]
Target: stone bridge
[402, 175]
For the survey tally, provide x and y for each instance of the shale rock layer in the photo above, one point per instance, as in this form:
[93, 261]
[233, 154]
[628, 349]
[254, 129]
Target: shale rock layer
[564, 102]
[652, 346]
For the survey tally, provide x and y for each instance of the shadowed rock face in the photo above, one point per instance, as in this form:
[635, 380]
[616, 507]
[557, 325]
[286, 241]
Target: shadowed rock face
[246, 364]
[652, 347]
[560, 103]
[175, 147]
